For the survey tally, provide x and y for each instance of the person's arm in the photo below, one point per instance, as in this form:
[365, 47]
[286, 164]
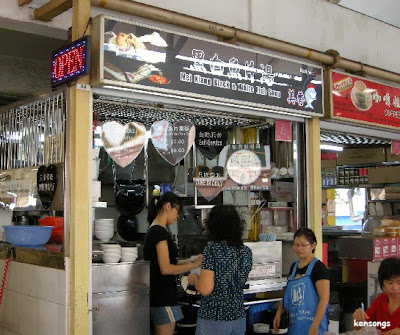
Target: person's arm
[166, 267]
[358, 316]
[204, 283]
[278, 315]
[323, 291]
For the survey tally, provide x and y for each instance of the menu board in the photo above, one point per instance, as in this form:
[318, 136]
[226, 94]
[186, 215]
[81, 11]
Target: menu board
[173, 140]
[210, 142]
[144, 57]
[47, 177]
[248, 167]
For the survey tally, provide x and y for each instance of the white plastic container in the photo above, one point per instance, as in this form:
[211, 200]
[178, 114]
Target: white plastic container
[266, 252]
[261, 328]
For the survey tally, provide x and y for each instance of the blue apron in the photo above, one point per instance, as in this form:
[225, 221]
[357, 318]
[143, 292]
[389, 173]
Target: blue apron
[301, 301]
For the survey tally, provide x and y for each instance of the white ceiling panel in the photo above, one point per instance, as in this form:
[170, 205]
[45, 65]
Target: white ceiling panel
[383, 10]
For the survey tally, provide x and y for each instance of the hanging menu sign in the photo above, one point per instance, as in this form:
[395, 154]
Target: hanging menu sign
[164, 61]
[173, 140]
[210, 142]
[359, 100]
[47, 177]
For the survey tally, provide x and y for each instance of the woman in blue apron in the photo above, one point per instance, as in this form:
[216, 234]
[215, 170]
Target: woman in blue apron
[307, 292]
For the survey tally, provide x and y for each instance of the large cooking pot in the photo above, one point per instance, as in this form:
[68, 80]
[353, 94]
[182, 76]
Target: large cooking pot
[130, 196]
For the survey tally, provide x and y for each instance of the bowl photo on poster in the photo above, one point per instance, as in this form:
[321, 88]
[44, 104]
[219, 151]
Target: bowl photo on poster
[360, 96]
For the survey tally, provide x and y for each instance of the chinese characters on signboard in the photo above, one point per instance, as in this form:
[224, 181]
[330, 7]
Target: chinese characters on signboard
[358, 99]
[137, 56]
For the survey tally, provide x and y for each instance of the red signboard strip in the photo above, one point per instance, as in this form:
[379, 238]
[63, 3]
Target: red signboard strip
[358, 99]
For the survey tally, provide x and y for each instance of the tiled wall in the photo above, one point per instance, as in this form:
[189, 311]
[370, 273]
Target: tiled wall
[34, 300]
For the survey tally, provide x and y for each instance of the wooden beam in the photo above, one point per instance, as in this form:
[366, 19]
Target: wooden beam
[52, 9]
[315, 183]
[80, 205]
[24, 2]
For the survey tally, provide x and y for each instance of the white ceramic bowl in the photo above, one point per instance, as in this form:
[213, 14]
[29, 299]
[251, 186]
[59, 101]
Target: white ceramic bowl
[104, 220]
[114, 255]
[107, 234]
[110, 247]
[129, 251]
[129, 254]
[103, 226]
[128, 259]
[110, 259]
[107, 231]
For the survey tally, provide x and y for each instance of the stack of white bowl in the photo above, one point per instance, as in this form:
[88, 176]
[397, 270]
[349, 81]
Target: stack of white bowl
[129, 254]
[104, 229]
[112, 253]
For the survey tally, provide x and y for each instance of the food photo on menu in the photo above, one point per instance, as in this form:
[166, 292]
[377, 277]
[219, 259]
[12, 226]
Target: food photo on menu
[141, 52]
[361, 96]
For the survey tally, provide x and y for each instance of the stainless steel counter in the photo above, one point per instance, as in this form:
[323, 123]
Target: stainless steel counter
[121, 299]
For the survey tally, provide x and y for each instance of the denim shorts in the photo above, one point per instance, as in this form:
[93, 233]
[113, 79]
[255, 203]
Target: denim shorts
[212, 327]
[165, 314]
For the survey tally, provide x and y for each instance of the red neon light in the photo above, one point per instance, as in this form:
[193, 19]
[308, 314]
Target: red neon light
[68, 63]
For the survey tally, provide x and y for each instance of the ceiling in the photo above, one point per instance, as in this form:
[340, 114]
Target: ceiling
[383, 10]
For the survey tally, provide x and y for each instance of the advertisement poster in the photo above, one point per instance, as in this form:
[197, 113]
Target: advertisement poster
[362, 100]
[153, 59]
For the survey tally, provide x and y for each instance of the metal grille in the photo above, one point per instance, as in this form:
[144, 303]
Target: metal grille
[107, 109]
[33, 133]
[351, 140]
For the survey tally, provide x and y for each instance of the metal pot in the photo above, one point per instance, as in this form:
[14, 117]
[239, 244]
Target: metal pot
[130, 196]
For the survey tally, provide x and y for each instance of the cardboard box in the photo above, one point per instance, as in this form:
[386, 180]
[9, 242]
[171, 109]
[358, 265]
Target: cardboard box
[361, 156]
[328, 163]
[381, 175]
[390, 157]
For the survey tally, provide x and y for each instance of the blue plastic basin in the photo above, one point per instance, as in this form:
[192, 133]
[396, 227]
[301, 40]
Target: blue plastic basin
[28, 235]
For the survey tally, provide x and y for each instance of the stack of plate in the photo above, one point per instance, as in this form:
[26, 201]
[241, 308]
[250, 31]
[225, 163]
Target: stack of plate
[104, 229]
[112, 253]
[129, 254]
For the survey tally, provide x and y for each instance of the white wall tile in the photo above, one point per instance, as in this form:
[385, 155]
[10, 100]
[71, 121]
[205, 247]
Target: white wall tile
[62, 288]
[62, 320]
[28, 315]
[10, 316]
[13, 275]
[27, 282]
[47, 318]
[47, 281]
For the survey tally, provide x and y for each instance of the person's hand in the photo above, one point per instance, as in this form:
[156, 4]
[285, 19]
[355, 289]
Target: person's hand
[395, 331]
[277, 321]
[360, 315]
[197, 261]
[313, 330]
[192, 278]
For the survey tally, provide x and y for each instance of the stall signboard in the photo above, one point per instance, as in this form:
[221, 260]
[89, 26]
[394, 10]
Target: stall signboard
[358, 100]
[154, 59]
[71, 62]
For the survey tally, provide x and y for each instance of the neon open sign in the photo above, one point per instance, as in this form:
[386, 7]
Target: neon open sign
[71, 62]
